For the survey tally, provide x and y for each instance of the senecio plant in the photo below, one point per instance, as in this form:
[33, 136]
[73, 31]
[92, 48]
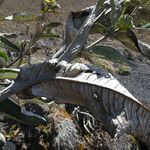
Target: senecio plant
[10, 107]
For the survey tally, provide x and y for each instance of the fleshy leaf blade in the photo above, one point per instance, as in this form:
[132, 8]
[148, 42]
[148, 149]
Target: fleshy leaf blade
[13, 110]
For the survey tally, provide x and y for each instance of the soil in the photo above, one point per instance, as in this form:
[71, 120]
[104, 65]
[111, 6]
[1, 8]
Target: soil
[9, 7]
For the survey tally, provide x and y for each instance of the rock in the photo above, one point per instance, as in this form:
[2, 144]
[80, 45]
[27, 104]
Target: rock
[2, 141]
[125, 142]
[145, 49]
[10, 146]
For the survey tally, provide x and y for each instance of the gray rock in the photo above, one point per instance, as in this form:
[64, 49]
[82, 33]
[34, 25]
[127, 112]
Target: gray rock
[145, 49]
[138, 82]
[125, 142]
[2, 141]
[10, 146]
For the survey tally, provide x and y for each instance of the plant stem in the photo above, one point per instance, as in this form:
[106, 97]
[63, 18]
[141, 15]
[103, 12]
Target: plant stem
[96, 42]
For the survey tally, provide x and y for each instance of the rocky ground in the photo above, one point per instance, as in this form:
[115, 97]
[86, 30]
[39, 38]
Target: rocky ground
[61, 118]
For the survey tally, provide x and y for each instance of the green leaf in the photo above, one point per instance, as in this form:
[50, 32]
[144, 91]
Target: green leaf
[21, 16]
[2, 62]
[126, 3]
[101, 3]
[105, 57]
[50, 1]
[125, 22]
[109, 53]
[50, 35]
[9, 70]
[4, 55]
[2, 18]
[49, 7]
[14, 111]
[9, 44]
[3, 58]
[6, 73]
[53, 24]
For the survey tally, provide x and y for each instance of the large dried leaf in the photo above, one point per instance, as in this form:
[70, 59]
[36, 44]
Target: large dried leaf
[87, 86]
